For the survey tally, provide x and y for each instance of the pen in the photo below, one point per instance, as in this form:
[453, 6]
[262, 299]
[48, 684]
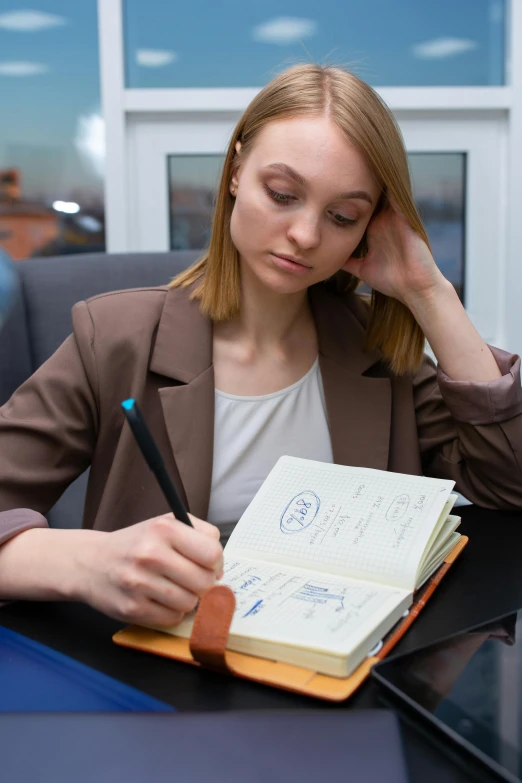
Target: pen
[153, 458]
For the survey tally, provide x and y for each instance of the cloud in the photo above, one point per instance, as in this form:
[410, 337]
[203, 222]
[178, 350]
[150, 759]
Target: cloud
[22, 68]
[155, 58]
[30, 21]
[440, 48]
[284, 30]
[90, 140]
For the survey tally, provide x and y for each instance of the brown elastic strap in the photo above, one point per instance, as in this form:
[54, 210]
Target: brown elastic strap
[208, 641]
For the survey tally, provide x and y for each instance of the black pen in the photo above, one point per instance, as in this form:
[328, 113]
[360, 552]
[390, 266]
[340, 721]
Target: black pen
[153, 458]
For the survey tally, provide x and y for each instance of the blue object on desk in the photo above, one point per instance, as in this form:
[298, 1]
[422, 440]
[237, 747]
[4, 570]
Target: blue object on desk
[35, 678]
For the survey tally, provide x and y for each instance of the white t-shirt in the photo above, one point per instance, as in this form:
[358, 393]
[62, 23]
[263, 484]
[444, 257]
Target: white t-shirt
[251, 433]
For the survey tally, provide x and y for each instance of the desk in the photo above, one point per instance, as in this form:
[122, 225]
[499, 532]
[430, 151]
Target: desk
[484, 583]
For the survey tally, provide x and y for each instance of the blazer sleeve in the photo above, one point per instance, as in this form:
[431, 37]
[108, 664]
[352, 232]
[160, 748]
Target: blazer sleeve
[49, 427]
[471, 432]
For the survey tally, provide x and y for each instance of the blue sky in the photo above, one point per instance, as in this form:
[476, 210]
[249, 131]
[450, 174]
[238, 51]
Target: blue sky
[237, 43]
[49, 74]
[41, 110]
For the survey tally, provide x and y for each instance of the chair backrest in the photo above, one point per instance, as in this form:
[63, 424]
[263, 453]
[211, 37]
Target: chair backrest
[41, 320]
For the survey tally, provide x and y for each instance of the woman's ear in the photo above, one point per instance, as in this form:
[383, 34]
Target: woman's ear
[234, 178]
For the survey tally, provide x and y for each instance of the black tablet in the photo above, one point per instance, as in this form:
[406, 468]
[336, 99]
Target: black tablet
[468, 686]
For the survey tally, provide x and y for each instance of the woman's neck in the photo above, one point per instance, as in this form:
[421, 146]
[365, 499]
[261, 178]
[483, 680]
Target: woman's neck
[268, 321]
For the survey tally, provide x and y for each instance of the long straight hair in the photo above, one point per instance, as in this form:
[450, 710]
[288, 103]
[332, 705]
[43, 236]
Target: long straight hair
[366, 121]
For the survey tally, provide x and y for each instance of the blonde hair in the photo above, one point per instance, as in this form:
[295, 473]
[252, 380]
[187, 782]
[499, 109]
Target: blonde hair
[308, 90]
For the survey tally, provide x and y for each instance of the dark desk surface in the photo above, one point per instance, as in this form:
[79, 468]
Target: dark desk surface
[485, 582]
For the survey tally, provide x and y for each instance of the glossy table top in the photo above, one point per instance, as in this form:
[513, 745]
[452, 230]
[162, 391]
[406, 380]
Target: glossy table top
[484, 583]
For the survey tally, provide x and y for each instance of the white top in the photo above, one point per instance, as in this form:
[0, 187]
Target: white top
[251, 433]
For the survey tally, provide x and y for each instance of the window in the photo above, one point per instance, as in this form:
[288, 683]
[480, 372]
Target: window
[51, 149]
[438, 184]
[439, 181]
[193, 181]
[238, 44]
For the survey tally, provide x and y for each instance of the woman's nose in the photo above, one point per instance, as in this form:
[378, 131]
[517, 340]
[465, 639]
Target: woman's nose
[304, 230]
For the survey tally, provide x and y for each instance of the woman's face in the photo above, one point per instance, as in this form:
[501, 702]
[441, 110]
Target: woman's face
[304, 198]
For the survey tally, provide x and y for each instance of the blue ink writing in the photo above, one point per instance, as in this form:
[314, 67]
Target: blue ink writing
[318, 595]
[254, 609]
[300, 512]
[252, 580]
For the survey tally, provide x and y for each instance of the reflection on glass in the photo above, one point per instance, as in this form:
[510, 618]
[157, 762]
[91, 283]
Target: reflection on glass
[438, 185]
[470, 683]
[51, 147]
[193, 183]
[238, 44]
[439, 191]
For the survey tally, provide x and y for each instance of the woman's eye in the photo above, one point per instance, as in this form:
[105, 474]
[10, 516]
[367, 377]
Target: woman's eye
[281, 198]
[342, 220]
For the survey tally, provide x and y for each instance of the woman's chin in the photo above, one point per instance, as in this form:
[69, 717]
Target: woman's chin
[280, 282]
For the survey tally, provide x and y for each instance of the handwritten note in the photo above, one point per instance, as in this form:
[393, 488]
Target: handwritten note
[365, 523]
[313, 610]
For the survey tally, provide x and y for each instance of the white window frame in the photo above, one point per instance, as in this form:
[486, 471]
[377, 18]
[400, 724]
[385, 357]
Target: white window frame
[151, 139]
[125, 109]
[482, 138]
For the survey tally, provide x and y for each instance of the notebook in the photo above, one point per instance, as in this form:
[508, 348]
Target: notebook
[326, 560]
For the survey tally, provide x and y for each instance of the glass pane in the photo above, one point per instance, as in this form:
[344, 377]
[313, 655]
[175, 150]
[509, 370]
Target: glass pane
[193, 182]
[238, 44]
[51, 139]
[439, 189]
[438, 185]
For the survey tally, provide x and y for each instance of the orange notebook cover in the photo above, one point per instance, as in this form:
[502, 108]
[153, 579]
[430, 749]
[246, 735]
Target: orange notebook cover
[207, 645]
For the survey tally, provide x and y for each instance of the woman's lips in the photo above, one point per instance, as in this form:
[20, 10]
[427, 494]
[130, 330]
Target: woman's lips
[290, 265]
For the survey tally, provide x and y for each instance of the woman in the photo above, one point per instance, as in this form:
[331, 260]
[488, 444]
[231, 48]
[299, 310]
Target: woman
[261, 349]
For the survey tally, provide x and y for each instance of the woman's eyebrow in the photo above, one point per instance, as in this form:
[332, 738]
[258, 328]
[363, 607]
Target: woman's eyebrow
[285, 169]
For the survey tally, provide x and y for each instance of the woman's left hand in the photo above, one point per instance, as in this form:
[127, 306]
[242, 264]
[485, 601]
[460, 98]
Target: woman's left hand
[398, 262]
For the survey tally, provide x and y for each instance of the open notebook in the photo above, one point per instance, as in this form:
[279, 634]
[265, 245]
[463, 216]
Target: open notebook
[326, 558]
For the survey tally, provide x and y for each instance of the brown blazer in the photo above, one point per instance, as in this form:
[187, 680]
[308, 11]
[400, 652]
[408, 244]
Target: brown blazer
[154, 345]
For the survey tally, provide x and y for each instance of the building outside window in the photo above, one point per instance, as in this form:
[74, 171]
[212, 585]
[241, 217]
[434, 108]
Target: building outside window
[52, 134]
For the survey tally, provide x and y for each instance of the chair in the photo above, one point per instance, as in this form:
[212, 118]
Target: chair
[41, 320]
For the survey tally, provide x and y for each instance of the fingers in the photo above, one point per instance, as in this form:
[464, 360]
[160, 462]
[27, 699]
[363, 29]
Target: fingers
[161, 616]
[205, 527]
[172, 596]
[395, 209]
[148, 612]
[199, 544]
[188, 575]
[138, 587]
[155, 571]
[142, 591]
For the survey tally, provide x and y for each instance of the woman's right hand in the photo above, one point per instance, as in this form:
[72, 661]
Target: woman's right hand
[152, 572]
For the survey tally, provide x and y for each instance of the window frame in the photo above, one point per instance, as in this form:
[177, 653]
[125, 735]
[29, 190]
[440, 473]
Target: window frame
[499, 316]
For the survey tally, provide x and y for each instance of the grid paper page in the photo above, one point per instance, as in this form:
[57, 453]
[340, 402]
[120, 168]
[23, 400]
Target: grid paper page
[362, 523]
[290, 606]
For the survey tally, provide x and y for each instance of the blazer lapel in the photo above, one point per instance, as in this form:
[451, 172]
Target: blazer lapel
[183, 351]
[358, 405]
